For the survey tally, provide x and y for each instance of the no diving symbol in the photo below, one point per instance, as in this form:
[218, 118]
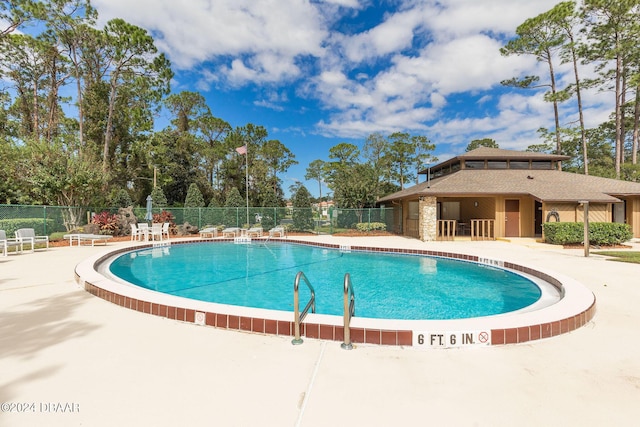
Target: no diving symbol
[483, 337]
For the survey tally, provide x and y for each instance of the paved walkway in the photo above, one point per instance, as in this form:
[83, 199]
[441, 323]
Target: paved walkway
[63, 349]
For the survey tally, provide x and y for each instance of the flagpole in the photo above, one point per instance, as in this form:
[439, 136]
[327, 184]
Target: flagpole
[246, 179]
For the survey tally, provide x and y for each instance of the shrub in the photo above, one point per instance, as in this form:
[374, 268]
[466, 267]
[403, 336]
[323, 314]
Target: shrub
[600, 233]
[371, 226]
[107, 222]
[38, 224]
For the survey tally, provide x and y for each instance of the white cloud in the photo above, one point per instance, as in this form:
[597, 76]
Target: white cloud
[398, 74]
[211, 30]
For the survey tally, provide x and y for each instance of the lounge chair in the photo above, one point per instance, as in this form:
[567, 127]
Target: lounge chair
[93, 238]
[277, 230]
[254, 231]
[28, 235]
[7, 242]
[231, 232]
[209, 232]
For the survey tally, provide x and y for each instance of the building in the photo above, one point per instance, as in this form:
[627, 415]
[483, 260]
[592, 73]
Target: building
[495, 193]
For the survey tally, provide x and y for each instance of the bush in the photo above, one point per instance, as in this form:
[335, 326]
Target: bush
[371, 226]
[166, 216]
[107, 222]
[38, 224]
[600, 233]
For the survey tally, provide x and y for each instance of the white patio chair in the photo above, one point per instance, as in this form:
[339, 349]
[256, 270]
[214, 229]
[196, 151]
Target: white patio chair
[156, 231]
[144, 230]
[136, 233]
[8, 242]
[28, 235]
[165, 230]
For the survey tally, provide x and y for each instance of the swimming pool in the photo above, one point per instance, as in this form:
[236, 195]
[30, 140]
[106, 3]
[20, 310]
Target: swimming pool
[387, 286]
[572, 307]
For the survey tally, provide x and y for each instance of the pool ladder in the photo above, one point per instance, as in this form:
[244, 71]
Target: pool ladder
[349, 308]
[297, 316]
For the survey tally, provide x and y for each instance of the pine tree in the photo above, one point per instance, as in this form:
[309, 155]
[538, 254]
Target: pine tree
[302, 213]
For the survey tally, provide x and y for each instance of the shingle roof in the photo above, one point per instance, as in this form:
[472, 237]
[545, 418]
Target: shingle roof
[544, 185]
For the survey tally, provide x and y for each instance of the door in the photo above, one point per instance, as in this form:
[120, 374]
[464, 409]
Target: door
[538, 218]
[619, 212]
[512, 218]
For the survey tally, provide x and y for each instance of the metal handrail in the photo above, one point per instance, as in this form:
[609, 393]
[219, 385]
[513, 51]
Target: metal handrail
[297, 316]
[349, 311]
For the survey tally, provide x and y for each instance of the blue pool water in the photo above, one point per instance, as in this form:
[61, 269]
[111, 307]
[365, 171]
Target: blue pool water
[387, 286]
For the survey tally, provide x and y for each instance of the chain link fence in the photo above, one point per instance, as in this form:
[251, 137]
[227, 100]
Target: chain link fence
[46, 220]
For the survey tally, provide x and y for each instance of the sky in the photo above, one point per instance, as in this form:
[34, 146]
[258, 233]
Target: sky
[317, 73]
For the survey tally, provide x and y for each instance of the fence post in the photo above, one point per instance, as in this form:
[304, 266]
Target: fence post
[44, 213]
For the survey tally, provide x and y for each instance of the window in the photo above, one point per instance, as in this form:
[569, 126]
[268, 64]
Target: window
[495, 164]
[474, 164]
[541, 165]
[414, 209]
[517, 164]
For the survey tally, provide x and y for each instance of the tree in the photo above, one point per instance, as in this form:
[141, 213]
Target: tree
[213, 131]
[192, 203]
[278, 158]
[484, 142]
[564, 16]
[232, 204]
[612, 32]
[186, 108]
[541, 38]
[302, 212]
[14, 13]
[61, 177]
[375, 150]
[134, 62]
[122, 199]
[194, 197]
[354, 187]
[316, 171]
[70, 24]
[158, 197]
[406, 153]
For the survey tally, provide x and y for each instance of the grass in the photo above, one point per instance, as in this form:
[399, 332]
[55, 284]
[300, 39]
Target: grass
[632, 257]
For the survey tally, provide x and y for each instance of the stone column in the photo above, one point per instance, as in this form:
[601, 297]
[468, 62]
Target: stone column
[427, 222]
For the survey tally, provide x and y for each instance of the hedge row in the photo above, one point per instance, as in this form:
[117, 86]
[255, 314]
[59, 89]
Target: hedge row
[600, 233]
[11, 225]
[371, 226]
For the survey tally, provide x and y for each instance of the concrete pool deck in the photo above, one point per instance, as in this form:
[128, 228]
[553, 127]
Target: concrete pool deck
[64, 349]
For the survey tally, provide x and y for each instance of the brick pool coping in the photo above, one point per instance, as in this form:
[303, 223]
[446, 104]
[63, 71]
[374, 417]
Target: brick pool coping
[575, 308]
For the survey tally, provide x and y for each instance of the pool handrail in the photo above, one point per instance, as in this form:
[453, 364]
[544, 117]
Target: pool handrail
[349, 311]
[297, 316]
